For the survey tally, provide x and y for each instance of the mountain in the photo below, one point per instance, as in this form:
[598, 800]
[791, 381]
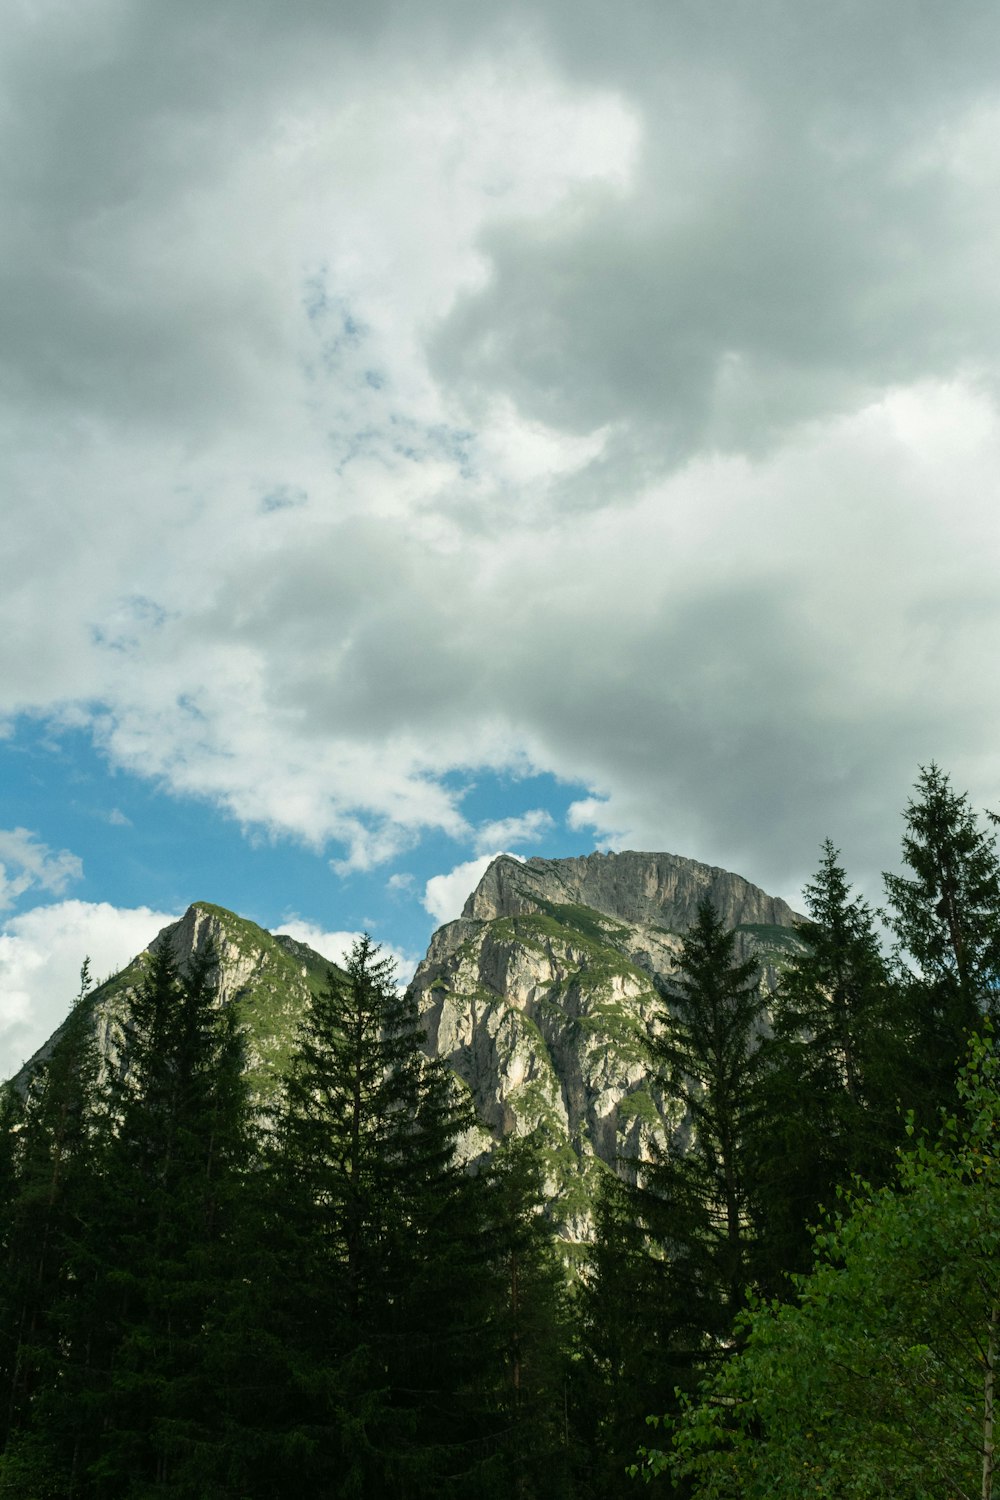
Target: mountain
[543, 995]
[655, 890]
[269, 977]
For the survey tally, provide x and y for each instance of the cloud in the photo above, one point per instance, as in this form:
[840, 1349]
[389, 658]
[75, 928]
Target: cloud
[634, 388]
[26, 863]
[268, 298]
[785, 251]
[336, 946]
[525, 828]
[445, 895]
[41, 952]
[592, 813]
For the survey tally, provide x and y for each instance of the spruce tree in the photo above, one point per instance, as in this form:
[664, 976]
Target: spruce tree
[675, 1249]
[51, 1159]
[11, 1128]
[632, 1353]
[831, 999]
[532, 1330]
[836, 1071]
[377, 1337]
[138, 1410]
[945, 914]
[878, 1379]
[708, 1055]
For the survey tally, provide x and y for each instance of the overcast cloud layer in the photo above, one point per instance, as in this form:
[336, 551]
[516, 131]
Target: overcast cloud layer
[389, 391]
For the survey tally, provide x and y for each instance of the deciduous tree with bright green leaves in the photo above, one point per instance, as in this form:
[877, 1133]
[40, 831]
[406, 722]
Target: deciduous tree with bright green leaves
[879, 1380]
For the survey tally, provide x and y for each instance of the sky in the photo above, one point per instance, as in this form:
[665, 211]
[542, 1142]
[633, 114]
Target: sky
[433, 430]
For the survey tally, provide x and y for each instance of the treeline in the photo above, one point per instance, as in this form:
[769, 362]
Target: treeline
[811, 1302]
[193, 1305]
[198, 1303]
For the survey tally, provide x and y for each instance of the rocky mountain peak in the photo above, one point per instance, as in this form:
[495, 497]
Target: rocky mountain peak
[545, 994]
[243, 952]
[643, 889]
[268, 978]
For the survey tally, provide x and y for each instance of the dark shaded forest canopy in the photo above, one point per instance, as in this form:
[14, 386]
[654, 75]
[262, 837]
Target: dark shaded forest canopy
[206, 1293]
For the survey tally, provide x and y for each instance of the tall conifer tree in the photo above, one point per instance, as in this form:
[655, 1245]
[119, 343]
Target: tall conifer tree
[675, 1252]
[836, 1071]
[51, 1159]
[381, 1322]
[945, 914]
[709, 1056]
[633, 1355]
[137, 1410]
[531, 1329]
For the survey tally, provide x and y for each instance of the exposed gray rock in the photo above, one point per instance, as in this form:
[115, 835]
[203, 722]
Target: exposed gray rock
[544, 995]
[658, 890]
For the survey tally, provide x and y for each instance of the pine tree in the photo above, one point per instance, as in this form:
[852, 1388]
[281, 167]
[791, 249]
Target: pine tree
[377, 1337]
[530, 1290]
[836, 1071]
[137, 1410]
[51, 1154]
[708, 1055]
[946, 918]
[674, 1250]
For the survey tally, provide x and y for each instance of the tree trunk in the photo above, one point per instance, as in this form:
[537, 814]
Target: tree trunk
[988, 1395]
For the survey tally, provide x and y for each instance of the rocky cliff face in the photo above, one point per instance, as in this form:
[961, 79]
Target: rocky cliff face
[658, 890]
[543, 996]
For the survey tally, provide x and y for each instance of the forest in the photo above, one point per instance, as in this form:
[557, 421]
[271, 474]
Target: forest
[199, 1299]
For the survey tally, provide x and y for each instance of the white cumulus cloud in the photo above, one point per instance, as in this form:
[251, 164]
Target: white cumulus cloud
[26, 863]
[336, 946]
[416, 390]
[41, 953]
[526, 828]
[445, 895]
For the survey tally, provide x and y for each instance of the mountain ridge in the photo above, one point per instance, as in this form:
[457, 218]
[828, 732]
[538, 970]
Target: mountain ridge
[268, 976]
[630, 884]
[543, 998]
